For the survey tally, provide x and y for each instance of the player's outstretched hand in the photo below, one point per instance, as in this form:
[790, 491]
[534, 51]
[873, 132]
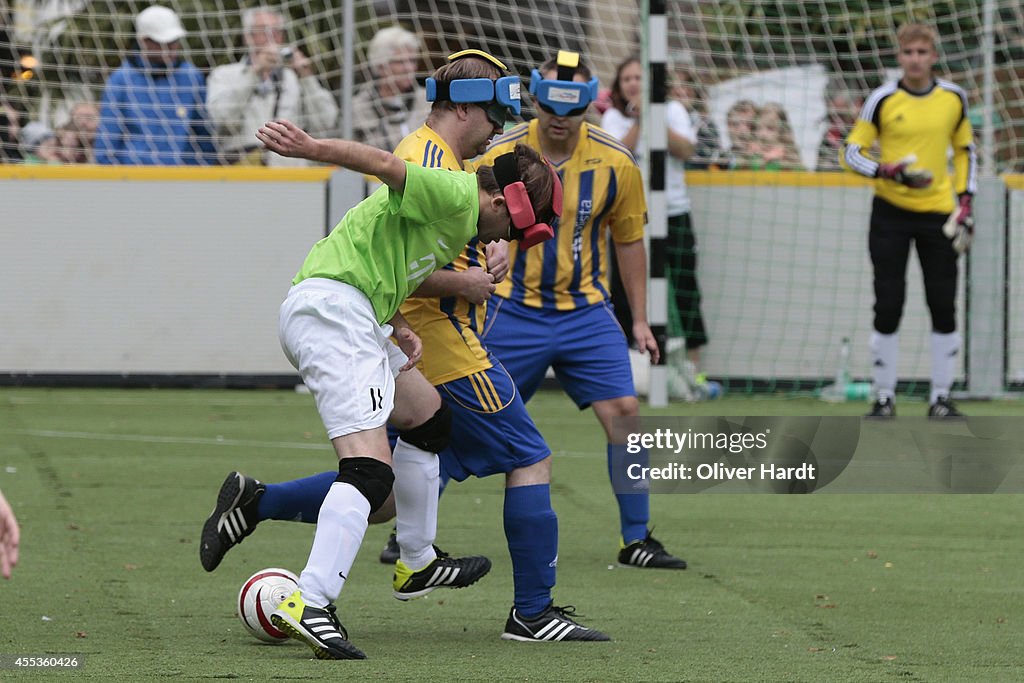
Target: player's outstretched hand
[646, 342]
[497, 259]
[476, 285]
[10, 537]
[287, 139]
[411, 346]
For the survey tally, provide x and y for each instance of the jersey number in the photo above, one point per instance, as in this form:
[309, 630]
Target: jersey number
[376, 398]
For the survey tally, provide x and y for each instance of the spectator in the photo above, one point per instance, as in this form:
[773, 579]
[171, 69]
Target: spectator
[773, 148]
[392, 104]
[843, 107]
[10, 131]
[69, 145]
[739, 123]
[85, 119]
[622, 120]
[273, 80]
[687, 90]
[76, 133]
[39, 144]
[153, 106]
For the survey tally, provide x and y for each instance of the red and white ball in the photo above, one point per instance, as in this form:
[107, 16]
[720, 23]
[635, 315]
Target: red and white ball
[260, 596]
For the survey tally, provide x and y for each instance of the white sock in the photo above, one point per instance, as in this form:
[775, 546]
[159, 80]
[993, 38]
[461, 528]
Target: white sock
[417, 486]
[885, 353]
[945, 348]
[339, 533]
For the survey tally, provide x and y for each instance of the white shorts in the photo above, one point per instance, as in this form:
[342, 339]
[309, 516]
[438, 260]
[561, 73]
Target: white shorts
[330, 334]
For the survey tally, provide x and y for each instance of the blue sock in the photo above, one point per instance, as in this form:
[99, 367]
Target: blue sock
[634, 508]
[297, 500]
[445, 478]
[531, 528]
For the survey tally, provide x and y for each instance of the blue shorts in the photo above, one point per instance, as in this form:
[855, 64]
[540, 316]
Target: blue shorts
[586, 347]
[491, 431]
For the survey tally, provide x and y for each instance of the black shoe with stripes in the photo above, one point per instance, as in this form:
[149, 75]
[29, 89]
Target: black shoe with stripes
[649, 554]
[943, 408]
[883, 408]
[391, 551]
[444, 572]
[317, 627]
[233, 518]
[555, 624]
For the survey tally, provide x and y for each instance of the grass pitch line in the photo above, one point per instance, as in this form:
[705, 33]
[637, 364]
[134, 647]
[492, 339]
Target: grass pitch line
[172, 440]
[163, 397]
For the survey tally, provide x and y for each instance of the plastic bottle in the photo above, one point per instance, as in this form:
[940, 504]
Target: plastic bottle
[836, 392]
[842, 389]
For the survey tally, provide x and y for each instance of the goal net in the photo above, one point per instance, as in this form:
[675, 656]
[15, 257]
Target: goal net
[783, 264]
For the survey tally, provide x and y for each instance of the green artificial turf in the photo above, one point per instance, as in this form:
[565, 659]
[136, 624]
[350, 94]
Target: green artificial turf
[111, 489]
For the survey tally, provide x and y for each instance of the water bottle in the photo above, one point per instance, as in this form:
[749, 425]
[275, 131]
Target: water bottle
[836, 392]
[842, 389]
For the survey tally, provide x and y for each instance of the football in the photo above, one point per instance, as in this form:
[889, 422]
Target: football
[260, 595]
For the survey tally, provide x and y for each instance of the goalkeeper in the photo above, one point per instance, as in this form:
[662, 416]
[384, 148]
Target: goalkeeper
[915, 121]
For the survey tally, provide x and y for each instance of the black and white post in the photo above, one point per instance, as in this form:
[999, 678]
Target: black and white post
[655, 56]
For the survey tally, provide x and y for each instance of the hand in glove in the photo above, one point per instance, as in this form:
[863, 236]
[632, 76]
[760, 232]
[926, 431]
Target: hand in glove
[901, 173]
[960, 227]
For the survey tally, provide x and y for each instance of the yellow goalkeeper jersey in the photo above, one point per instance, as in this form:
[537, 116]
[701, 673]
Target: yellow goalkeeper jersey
[603, 194]
[925, 124]
[448, 326]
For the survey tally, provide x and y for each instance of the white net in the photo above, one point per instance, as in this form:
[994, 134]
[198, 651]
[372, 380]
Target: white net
[783, 267]
[60, 51]
[75, 45]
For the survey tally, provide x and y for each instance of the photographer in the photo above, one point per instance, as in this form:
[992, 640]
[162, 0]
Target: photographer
[272, 81]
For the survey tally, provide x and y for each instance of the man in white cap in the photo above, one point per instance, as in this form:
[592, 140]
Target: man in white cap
[153, 107]
[272, 81]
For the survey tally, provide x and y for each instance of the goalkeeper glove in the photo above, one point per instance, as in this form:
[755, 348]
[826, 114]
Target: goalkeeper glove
[900, 172]
[959, 228]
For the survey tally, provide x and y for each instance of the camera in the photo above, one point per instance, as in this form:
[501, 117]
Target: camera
[286, 53]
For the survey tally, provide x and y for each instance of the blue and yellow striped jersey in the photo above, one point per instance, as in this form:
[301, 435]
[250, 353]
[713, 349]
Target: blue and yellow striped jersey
[923, 124]
[603, 192]
[447, 326]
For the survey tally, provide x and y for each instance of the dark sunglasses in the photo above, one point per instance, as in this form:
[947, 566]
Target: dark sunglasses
[497, 113]
[578, 111]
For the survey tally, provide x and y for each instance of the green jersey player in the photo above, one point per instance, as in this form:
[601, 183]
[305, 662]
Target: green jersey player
[338, 319]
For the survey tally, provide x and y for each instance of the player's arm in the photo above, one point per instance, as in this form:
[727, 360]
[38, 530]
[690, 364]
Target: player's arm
[407, 340]
[853, 155]
[9, 538]
[287, 139]
[682, 139]
[965, 158]
[631, 258]
[475, 285]
[680, 146]
[497, 259]
[959, 228]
